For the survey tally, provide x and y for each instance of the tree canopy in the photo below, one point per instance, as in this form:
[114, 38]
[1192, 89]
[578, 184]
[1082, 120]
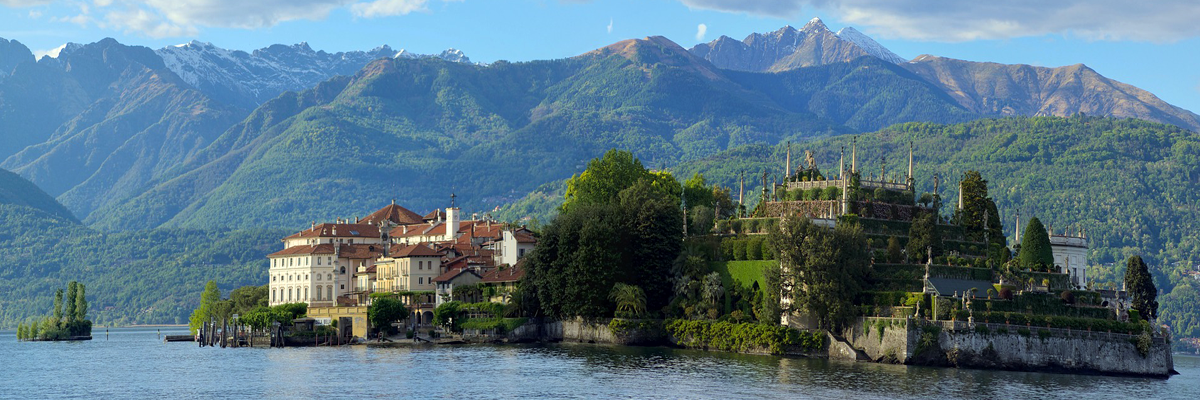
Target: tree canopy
[616, 227]
[1140, 286]
[1036, 253]
[208, 303]
[384, 311]
[823, 269]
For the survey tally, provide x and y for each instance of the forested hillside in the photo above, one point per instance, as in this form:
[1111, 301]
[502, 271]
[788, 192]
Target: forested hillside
[1133, 186]
[132, 277]
[418, 130]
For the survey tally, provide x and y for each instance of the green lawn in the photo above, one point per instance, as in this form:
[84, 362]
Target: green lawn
[745, 273]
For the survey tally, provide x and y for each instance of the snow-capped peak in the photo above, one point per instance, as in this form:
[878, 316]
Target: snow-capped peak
[251, 78]
[813, 25]
[869, 45]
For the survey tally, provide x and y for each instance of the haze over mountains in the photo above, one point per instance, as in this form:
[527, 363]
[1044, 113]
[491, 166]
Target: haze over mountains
[132, 138]
[183, 144]
[984, 88]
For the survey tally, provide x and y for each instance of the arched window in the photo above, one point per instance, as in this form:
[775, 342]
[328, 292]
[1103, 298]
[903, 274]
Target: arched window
[330, 291]
[318, 277]
[329, 277]
[306, 293]
[343, 270]
[289, 294]
[318, 292]
[273, 298]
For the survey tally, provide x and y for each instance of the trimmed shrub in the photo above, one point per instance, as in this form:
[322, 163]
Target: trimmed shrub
[754, 248]
[744, 337]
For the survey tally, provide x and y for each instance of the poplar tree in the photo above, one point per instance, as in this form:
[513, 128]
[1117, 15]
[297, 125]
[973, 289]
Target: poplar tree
[58, 304]
[81, 304]
[69, 312]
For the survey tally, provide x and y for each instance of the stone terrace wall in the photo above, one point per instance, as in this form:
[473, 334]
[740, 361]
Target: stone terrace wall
[1060, 351]
[894, 345]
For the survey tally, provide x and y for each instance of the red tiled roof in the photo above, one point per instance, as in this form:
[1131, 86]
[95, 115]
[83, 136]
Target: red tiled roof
[524, 238]
[416, 250]
[418, 229]
[395, 214]
[436, 214]
[357, 251]
[454, 273]
[510, 274]
[338, 230]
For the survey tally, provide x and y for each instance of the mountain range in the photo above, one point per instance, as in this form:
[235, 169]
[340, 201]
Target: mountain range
[197, 144]
[987, 89]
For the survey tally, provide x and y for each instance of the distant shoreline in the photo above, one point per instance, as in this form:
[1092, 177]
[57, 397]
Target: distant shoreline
[147, 326]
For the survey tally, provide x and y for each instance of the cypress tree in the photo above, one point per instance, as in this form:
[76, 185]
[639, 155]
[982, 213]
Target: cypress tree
[1140, 285]
[69, 312]
[58, 304]
[81, 304]
[1035, 247]
[895, 255]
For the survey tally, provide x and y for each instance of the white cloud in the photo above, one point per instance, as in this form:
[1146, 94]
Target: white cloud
[384, 8]
[610, 22]
[701, 30]
[962, 20]
[81, 19]
[23, 3]
[171, 18]
[146, 23]
[35, 14]
[53, 53]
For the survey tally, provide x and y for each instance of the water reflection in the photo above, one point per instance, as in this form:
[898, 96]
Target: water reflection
[135, 363]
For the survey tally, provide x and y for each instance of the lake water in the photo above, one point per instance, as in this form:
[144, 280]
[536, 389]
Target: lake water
[134, 362]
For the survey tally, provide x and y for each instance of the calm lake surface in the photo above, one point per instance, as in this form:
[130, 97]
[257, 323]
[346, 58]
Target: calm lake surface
[134, 362]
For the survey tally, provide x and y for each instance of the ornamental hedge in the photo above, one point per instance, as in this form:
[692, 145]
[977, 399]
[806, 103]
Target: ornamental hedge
[745, 337]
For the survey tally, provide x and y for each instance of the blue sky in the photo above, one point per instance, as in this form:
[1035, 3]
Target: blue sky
[1152, 45]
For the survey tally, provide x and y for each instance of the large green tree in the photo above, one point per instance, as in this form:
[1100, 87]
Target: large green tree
[924, 238]
[248, 298]
[823, 269]
[58, 304]
[69, 311]
[1036, 253]
[978, 213]
[384, 311]
[81, 303]
[208, 304]
[1140, 285]
[632, 237]
[604, 179]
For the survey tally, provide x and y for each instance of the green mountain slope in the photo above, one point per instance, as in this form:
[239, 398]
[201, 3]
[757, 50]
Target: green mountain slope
[133, 277]
[1132, 185]
[418, 130]
[16, 191]
[142, 120]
